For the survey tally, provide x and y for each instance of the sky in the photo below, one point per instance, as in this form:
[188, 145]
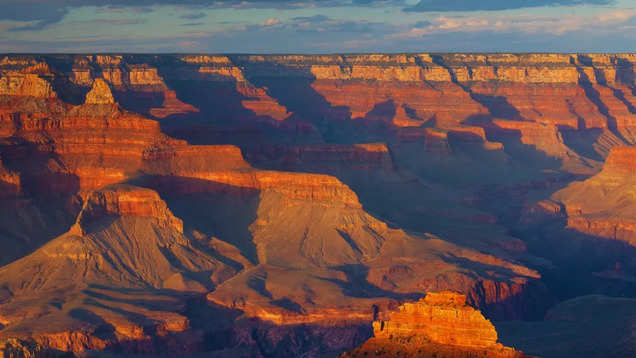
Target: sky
[319, 26]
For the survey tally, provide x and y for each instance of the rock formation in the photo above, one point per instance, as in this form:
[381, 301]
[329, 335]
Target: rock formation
[195, 203]
[99, 93]
[441, 324]
[31, 85]
[603, 205]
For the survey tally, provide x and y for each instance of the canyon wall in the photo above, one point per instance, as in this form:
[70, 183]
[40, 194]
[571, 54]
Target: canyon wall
[145, 194]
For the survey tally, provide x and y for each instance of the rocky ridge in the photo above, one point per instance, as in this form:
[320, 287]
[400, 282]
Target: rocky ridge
[439, 324]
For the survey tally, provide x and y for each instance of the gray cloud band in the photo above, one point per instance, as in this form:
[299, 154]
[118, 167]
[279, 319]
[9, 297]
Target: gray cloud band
[42, 13]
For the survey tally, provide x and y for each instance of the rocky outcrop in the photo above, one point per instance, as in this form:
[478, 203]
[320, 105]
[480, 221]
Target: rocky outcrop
[124, 200]
[172, 106]
[17, 348]
[442, 318]
[439, 324]
[26, 85]
[603, 205]
[100, 93]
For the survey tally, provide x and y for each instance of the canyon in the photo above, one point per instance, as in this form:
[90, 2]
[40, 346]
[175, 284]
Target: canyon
[287, 205]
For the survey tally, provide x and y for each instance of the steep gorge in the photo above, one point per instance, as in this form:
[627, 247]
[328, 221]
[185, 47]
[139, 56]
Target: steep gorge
[283, 195]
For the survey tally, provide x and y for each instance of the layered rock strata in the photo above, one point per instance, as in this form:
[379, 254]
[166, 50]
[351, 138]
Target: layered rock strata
[439, 324]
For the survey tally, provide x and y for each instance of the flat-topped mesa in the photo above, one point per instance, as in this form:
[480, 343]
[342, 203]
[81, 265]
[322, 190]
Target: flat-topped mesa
[127, 200]
[442, 318]
[317, 188]
[100, 93]
[26, 85]
[192, 160]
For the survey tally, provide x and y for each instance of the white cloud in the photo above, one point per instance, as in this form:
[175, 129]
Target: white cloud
[520, 23]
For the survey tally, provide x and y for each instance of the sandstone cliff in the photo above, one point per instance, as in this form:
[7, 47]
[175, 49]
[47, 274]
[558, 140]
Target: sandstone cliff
[603, 205]
[441, 324]
[100, 93]
[298, 192]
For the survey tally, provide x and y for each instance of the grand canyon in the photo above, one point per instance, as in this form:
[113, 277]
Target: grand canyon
[390, 205]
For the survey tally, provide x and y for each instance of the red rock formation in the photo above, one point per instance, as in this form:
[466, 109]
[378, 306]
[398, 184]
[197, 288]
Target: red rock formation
[123, 200]
[439, 324]
[100, 93]
[603, 205]
[25, 84]
[441, 318]
[171, 106]
[256, 99]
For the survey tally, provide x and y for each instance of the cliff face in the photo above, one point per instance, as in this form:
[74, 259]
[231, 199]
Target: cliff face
[603, 204]
[147, 201]
[442, 318]
[439, 324]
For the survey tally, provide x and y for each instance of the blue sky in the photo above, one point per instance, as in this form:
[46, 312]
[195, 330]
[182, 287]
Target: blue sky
[321, 26]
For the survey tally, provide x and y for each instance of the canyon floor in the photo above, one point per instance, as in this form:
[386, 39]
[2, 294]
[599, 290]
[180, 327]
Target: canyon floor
[298, 205]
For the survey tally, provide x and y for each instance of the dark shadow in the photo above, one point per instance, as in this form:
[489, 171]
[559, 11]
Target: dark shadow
[358, 286]
[582, 141]
[139, 101]
[594, 96]
[498, 106]
[257, 283]
[67, 90]
[579, 261]
[621, 96]
[103, 329]
[154, 304]
[529, 302]
[289, 305]
[512, 144]
[45, 194]
[214, 209]
[349, 241]
[292, 87]
[625, 73]
[222, 116]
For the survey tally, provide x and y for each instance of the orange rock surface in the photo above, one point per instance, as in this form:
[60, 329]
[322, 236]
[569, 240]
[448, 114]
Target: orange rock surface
[439, 324]
[603, 205]
[146, 197]
[442, 318]
[127, 200]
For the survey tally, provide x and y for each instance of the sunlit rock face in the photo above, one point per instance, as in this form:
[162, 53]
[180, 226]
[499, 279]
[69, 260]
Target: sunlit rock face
[100, 93]
[441, 324]
[603, 205]
[279, 205]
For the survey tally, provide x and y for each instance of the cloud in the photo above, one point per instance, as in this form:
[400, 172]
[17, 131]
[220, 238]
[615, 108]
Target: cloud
[492, 5]
[192, 24]
[120, 21]
[312, 19]
[41, 13]
[422, 24]
[525, 24]
[272, 21]
[194, 16]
